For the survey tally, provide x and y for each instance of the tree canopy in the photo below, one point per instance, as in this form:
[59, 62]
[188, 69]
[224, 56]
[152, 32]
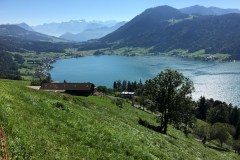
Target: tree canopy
[170, 92]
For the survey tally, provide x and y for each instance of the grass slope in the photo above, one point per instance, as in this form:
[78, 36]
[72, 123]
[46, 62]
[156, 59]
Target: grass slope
[43, 125]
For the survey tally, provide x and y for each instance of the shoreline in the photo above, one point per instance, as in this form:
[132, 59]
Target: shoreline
[46, 66]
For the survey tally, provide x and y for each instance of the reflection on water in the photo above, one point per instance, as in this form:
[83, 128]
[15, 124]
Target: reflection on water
[213, 80]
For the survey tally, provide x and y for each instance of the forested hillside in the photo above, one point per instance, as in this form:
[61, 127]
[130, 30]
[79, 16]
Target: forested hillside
[8, 68]
[164, 29]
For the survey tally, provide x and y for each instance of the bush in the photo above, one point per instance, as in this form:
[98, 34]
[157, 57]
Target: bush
[236, 146]
[221, 132]
[202, 130]
[35, 82]
[59, 105]
[119, 103]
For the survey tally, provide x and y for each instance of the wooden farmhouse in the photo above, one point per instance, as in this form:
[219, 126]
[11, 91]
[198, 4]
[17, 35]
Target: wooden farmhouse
[80, 89]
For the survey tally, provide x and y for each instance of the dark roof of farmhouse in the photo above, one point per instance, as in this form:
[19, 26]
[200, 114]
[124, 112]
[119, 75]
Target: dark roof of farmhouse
[67, 86]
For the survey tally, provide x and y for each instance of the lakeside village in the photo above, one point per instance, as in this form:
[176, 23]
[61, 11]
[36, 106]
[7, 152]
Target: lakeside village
[44, 65]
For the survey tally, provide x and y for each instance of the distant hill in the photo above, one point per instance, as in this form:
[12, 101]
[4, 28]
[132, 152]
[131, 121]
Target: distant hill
[165, 28]
[25, 26]
[201, 10]
[16, 39]
[14, 44]
[91, 33]
[15, 31]
[146, 23]
[73, 27]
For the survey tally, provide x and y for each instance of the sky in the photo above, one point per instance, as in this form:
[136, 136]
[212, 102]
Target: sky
[35, 12]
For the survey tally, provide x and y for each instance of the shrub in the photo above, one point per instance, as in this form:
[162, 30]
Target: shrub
[221, 132]
[59, 105]
[119, 103]
[202, 130]
[35, 82]
[236, 146]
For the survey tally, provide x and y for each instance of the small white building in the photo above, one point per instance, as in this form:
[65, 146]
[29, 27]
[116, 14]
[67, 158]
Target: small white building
[127, 94]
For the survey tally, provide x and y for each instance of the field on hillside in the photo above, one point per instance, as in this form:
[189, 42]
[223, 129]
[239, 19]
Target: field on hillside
[43, 125]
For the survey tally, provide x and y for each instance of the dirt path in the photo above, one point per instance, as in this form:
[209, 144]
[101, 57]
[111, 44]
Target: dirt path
[3, 142]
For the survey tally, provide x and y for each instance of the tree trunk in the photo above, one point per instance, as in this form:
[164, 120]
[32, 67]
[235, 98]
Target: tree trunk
[162, 121]
[165, 124]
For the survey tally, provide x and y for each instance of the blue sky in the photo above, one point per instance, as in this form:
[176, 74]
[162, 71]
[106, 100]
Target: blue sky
[36, 12]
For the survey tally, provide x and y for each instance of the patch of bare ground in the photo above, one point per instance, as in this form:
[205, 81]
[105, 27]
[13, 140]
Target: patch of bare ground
[3, 144]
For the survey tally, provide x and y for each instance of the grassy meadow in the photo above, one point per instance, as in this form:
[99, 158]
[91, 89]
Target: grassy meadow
[44, 125]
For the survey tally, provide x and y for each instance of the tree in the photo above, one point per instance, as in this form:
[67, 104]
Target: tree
[134, 85]
[97, 53]
[119, 85]
[168, 92]
[19, 58]
[8, 68]
[236, 146]
[187, 117]
[234, 116]
[202, 130]
[115, 85]
[236, 136]
[47, 79]
[124, 85]
[218, 113]
[102, 89]
[129, 86]
[202, 109]
[140, 83]
[221, 132]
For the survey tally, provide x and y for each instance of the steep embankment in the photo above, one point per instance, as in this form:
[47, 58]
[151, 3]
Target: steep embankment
[43, 125]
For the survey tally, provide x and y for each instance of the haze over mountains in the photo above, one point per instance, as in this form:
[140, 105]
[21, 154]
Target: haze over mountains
[77, 30]
[91, 33]
[73, 26]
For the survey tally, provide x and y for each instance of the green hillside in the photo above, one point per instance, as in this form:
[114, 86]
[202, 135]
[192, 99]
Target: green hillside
[43, 125]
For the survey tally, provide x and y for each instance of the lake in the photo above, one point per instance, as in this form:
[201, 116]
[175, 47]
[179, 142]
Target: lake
[211, 79]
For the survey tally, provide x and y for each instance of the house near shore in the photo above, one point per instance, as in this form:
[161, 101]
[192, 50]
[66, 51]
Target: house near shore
[80, 89]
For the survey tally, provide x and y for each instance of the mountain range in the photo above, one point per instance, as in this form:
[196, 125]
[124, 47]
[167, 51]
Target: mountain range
[161, 29]
[25, 26]
[201, 10]
[72, 26]
[165, 28]
[82, 30]
[18, 31]
[17, 39]
[91, 33]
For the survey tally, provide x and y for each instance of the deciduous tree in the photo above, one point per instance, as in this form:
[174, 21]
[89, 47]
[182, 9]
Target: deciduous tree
[169, 92]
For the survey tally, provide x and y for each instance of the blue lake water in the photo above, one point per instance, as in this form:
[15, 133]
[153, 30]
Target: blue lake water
[211, 79]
